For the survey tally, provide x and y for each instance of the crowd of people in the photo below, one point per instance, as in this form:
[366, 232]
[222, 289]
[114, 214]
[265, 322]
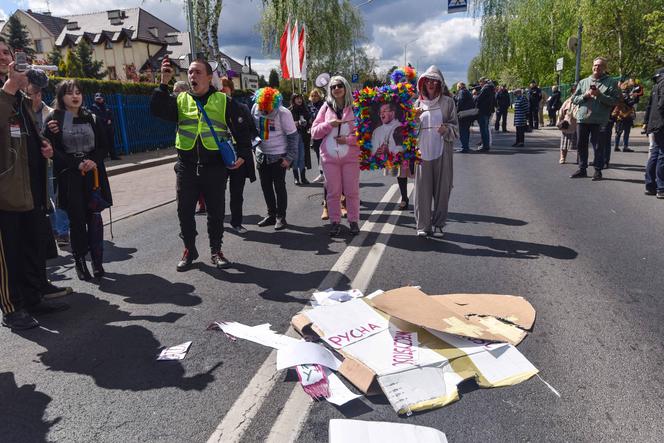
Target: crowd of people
[53, 165]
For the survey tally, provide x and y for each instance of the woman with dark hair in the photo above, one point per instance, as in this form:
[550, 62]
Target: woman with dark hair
[339, 153]
[433, 175]
[80, 146]
[302, 119]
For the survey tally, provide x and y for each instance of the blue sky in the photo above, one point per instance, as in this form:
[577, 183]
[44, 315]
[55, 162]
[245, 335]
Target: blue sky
[449, 41]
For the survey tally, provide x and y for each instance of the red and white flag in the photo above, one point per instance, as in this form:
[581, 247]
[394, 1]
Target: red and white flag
[295, 52]
[286, 54]
[303, 52]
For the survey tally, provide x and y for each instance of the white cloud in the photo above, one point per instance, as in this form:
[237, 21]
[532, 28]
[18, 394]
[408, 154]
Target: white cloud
[3, 16]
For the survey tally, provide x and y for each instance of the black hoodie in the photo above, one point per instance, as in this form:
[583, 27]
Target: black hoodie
[655, 111]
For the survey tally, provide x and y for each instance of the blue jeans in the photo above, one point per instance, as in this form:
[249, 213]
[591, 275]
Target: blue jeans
[655, 165]
[59, 218]
[483, 123]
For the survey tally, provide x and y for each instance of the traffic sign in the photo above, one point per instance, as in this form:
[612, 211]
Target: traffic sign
[250, 81]
[355, 78]
[559, 64]
[457, 6]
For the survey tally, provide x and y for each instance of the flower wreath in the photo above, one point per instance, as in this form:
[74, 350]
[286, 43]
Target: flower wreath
[402, 94]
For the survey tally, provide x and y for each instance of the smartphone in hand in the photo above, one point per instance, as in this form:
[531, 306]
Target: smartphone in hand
[21, 64]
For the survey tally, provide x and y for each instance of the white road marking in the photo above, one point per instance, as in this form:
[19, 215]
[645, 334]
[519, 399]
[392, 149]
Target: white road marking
[239, 417]
[294, 414]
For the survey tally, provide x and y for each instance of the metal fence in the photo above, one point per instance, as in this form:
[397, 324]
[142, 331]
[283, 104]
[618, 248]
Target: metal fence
[135, 129]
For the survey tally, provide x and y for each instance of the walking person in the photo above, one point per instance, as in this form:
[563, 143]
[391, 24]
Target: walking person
[275, 154]
[302, 119]
[553, 104]
[534, 100]
[434, 174]
[624, 115]
[655, 130]
[595, 97]
[485, 104]
[105, 116]
[335, 126]
[204, 119]
[467, 112]
[502, 105]
[521, 110]
[81, 145]
[23, 199]
[315, 103]
[244, 131]
[568, 127]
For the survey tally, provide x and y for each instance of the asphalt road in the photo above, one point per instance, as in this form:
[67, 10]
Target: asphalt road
[586, 254]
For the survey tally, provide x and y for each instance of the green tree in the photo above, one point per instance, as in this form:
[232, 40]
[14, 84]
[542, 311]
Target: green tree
[653, 40]
[206, 22]
[91, 68]
[54, 58]
[334, 34]
[71, 65]
[273, 79]
[17, 35]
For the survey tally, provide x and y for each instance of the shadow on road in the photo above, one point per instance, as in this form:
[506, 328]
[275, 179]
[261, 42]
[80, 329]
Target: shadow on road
[22, 410]
[277, 285]
[485, 246]
[91, 339]
[65, 262]
[146, 289]
[459, 217]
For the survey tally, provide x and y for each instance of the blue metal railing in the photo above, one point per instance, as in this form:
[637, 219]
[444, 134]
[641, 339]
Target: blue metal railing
[135, 129]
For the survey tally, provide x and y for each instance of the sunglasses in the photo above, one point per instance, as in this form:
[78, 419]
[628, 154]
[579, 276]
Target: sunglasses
[338, 86]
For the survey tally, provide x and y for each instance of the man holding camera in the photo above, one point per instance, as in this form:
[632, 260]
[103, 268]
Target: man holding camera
[200, 168]
[595, 97]
[23, 198]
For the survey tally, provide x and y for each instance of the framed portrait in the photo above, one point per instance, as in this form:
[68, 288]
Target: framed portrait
[386, 128]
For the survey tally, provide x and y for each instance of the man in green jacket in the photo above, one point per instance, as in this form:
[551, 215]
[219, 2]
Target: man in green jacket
[22, 202]
[595, 96]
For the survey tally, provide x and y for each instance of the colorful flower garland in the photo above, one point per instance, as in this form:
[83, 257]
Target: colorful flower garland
[400, 93]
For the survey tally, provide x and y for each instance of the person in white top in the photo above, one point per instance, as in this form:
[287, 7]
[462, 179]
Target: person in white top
[439, 127]
[382, 139]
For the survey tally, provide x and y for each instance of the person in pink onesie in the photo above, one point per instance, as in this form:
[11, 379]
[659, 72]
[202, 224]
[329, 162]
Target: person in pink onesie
[339, 154]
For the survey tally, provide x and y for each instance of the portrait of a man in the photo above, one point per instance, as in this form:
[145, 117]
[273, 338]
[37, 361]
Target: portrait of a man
[387, 134]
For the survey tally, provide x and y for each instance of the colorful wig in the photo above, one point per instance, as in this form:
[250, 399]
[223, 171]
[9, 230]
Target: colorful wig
[268, 99]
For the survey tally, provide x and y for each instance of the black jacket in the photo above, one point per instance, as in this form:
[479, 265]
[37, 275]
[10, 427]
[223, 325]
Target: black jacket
[554, 103]
[244, 131]
[103, 113]
[534, 97]
[503, 100]
[66, 165]
[655, 111]
[164, 105]
[485, 100]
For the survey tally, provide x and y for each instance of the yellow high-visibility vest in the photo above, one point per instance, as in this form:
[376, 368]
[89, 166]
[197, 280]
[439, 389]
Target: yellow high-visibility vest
[192, 124]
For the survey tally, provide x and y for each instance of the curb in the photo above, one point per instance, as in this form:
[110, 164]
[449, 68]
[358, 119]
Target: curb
[129, 167]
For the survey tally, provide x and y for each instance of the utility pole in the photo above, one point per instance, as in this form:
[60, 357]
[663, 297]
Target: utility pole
[577, 72]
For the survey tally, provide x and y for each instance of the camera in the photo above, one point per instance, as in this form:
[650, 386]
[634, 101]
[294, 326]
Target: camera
[593, 87]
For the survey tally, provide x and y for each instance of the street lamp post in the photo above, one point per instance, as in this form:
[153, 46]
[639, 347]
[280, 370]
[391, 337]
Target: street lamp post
[405, 46]
[358, 6]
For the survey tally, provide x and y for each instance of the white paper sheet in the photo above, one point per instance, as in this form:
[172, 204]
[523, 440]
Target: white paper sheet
[346, 323]
[344, 431]
[332, 297]
[339, 393]
[261, 334]
[305, 353]
[178, 352]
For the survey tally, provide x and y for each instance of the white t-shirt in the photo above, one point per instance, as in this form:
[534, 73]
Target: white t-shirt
[385, 134]
[430, 142]
[279, 126]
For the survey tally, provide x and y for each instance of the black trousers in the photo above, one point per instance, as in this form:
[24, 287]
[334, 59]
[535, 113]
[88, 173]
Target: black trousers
[586, 131]
[273, 183]
[533, 117]
[191, 181]
[501, 114]
[80, 216]
[22, 259]
[237, 178]
[520, 134]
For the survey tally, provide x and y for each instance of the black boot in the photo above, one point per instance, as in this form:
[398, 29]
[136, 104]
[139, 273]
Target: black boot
[98, 269]
[296, 176]
[303, 177]
[82, 268]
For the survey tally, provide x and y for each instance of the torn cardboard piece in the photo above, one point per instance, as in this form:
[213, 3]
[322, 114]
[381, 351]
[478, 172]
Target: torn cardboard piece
[431, 363]
[343, 431]
[444, 315]
[261, 334]
[510, 308]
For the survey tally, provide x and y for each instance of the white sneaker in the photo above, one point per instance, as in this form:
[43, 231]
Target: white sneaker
[240, 229]
[422, 233]
[319, 179]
